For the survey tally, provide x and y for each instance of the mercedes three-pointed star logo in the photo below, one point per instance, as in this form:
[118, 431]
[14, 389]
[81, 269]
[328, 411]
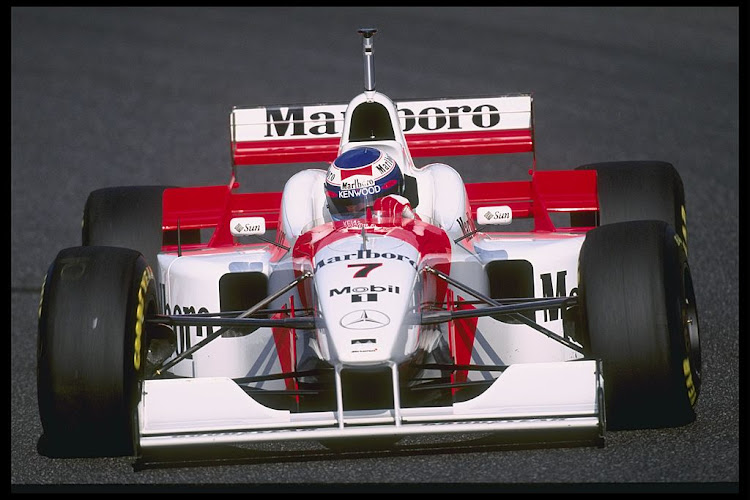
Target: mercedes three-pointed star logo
[364, 319]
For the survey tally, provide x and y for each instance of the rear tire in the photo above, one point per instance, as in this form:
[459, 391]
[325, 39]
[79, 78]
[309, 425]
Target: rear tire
[127, 217]
[637, 190]
[130, 217]
[640, 318]
[91, 350]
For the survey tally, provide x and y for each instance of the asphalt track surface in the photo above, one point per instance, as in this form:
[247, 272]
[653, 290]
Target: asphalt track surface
[119, 96]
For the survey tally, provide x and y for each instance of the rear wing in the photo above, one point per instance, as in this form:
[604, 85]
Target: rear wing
[432, 127]
[448, 127]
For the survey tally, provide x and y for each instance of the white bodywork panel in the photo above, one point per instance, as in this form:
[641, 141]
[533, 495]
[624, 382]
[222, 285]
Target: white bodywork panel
[496, 342]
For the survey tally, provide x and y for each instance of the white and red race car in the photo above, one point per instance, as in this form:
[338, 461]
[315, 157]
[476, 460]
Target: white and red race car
[178, 323]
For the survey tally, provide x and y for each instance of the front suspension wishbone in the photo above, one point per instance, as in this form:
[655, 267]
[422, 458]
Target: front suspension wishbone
[520, 317]
[217, 333]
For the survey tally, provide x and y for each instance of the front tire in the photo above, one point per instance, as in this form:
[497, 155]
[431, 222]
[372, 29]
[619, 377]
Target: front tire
[640, 318]
[91, 350]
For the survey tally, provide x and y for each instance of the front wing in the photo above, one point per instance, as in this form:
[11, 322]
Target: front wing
[559, 401]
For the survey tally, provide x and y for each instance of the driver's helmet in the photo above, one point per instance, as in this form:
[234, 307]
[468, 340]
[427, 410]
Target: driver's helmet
[357, 178]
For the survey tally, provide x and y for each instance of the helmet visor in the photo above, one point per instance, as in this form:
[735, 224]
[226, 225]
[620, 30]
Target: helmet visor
[353, 203]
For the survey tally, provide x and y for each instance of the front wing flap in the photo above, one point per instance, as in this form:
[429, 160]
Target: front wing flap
[560, 399]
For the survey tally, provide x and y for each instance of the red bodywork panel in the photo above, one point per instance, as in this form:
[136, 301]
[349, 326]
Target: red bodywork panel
[214, 207]
[546, 192]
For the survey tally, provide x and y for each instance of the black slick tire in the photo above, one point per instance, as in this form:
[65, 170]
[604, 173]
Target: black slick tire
[637, 190]
[91, 350]
[640, 318]
[129, 217]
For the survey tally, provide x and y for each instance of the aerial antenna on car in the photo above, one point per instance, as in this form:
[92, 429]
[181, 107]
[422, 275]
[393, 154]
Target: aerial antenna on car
[367, 34]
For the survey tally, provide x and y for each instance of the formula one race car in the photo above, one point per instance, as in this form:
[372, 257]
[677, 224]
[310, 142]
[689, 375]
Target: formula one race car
[393, 300]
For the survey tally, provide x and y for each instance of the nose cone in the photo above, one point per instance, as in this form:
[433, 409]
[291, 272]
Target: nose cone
[365, 299]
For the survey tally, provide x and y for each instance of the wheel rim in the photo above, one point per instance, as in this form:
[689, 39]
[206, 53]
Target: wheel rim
[691, 335]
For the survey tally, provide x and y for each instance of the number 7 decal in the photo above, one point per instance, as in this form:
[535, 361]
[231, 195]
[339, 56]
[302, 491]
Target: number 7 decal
[366, 268]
